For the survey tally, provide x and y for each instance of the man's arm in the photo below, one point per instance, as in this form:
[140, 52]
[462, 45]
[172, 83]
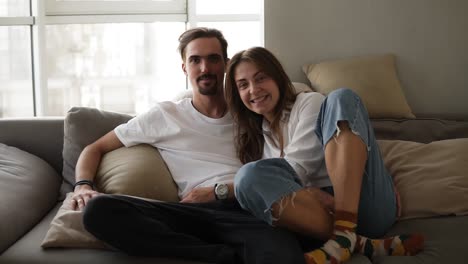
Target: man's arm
[205, 194]
[87, 166]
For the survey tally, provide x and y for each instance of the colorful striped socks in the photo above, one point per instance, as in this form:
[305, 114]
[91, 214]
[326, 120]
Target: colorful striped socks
[345, 241]
[340, 247]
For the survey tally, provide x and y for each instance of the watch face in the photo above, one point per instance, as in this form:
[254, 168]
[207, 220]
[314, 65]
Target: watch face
[222, 191]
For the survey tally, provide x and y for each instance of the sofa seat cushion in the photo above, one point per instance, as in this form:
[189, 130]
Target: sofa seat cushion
[28, 251]
[29, 188]
[445, 240]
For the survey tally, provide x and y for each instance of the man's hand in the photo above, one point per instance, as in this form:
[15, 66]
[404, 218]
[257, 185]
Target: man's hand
[81, 196]
[200, 195]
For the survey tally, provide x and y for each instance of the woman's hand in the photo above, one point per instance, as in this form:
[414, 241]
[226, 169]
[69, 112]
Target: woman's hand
[327, 200]
[200, 195]
[81, 196]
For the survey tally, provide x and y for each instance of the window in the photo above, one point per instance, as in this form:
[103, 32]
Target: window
[16, 97]
[122, 67]
[15, 71]
[111, 55]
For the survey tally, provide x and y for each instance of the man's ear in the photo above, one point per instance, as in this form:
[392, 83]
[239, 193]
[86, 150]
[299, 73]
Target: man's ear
[226, 64]
[183, 69]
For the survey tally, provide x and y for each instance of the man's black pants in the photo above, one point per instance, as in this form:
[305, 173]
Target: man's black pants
[215, 232]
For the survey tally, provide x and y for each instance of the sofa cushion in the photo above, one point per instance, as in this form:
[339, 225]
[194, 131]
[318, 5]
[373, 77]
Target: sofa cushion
[137, 171]
[444, 240]
[29, 189]
[432, 179]
[67, 230]
[83, 126]
[28, 250]
[373, 78]
[424, 130]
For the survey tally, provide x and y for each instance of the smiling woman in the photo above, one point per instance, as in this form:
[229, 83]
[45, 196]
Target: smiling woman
[257, 90]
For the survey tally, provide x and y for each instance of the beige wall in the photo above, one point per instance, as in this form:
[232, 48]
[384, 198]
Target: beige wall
[429, 37]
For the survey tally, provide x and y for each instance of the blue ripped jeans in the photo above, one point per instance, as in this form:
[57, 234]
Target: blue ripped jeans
[259, 184]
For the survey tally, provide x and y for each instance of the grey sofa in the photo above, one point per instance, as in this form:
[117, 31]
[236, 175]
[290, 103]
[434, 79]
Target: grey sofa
[20, 238]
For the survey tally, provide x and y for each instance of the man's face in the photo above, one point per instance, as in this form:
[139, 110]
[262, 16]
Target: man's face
[204, 65]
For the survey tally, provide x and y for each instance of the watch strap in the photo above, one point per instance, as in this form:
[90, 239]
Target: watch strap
[214, 190]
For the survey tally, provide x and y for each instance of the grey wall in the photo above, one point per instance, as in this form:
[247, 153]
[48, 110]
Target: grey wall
[429, 37]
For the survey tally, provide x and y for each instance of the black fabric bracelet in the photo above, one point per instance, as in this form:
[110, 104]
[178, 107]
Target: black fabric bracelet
[82, 182]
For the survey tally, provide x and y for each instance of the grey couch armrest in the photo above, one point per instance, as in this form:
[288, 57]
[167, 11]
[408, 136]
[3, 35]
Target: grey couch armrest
[29, 188]
[40, 136]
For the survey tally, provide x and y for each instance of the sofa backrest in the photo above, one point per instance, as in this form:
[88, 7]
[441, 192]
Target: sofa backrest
[40, 136]
[422, 130]
[43, 137]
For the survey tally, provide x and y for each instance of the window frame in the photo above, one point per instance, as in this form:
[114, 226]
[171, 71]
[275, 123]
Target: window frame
[89, 7]
[17, 21]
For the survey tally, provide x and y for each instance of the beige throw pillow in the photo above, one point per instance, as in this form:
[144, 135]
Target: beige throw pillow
[67, 230]
[137, 171]
[373, 78]
[432, 179]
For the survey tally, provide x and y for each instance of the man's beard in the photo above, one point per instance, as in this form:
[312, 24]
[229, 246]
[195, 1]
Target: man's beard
[211, 89]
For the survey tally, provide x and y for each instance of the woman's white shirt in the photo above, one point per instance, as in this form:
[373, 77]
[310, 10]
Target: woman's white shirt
[302, 148]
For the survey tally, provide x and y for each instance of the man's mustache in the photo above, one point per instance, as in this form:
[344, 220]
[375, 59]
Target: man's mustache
[206, 76]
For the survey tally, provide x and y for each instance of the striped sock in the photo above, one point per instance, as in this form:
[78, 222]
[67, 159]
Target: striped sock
[402, 245]
[340, 247]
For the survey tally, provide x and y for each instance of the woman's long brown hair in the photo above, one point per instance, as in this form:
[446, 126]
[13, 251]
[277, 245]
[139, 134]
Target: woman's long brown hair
[249, 136]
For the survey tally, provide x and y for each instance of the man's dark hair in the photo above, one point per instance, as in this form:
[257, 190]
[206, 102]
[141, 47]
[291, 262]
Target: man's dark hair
[201, 32]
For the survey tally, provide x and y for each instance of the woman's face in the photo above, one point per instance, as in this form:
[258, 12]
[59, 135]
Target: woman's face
[258, 91]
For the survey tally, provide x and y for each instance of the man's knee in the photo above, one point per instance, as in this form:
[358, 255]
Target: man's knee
[280, 246]
[97, 212]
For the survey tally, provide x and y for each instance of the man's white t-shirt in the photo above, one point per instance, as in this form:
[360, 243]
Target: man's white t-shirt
[302, 148]
[198, 150]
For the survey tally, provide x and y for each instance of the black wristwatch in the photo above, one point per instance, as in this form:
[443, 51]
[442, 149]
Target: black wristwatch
[221, 191]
